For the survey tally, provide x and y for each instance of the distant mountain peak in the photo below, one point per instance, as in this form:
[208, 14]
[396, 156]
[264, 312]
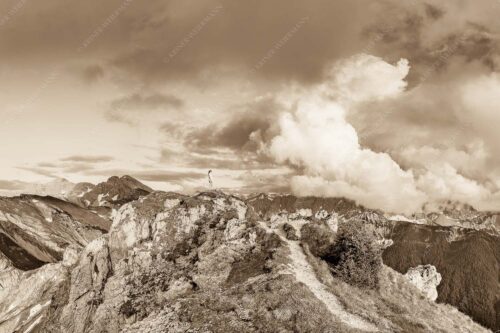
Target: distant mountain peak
[115, 191]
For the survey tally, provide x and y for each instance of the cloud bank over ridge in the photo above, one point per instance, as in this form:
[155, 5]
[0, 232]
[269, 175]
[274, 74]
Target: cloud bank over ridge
[316, 138]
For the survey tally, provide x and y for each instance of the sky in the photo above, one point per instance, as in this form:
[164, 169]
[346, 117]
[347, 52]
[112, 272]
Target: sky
[390, 103]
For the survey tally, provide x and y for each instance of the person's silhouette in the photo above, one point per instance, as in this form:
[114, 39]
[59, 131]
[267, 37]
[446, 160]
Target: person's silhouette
[210, 183]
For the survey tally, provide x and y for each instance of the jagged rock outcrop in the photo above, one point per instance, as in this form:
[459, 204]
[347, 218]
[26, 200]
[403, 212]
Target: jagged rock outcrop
[209, 263]
[426, 278]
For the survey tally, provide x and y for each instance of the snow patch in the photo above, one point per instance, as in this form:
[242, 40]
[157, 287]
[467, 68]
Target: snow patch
[402, 218]
[100, 199]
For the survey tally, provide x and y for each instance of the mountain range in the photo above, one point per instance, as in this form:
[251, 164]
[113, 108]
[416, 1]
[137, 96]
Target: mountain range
[121, 257]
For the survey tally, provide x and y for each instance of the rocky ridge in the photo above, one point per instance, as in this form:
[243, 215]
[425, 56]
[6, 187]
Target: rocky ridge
[215, 263]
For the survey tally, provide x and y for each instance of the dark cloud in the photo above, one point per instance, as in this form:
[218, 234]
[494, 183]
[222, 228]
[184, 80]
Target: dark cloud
[147, 102]
[233, 145]
[433, 12]
[243, 131]
[243, 34]
[216, 160]
[11, 185]
[39, 171]
[174, 177]
[126, 109]
[47, 165]
[92, 73]
[411, 33]
[172, 40]
[76, 167]
[87, 159]
[71, 164]
[234, 135]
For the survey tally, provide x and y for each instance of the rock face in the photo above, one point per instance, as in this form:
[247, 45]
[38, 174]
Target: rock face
[426, 278]
[36, 230]
[210, 263]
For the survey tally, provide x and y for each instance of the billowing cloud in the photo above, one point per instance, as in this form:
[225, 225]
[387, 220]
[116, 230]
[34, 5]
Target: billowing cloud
[316, 137]
[366, 78]
[231, 86]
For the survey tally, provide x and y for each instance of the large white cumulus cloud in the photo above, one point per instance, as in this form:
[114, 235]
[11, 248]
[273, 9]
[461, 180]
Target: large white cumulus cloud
[317, 139]
[364, 78]
[315, 136]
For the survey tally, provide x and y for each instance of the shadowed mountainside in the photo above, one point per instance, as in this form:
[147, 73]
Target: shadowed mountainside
[468, 261]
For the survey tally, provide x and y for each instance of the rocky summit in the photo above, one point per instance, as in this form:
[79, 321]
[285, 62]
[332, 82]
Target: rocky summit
[210, 262]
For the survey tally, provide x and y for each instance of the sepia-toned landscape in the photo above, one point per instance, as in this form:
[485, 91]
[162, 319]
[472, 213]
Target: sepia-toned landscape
[249, 166]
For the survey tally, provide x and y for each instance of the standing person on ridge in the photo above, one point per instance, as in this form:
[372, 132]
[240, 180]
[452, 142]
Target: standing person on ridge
[210, 183]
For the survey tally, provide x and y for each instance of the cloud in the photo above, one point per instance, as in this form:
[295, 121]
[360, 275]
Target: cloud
[12, 185]
[247, 124]
[147, 102]
[170, 176]
[127, 109]
[47, 165]
[316, 137]
[481, 105]
[426, 160]
[39, 171]
[241, 34]
[366, 78]
[92, 73]
[215, 160]
[87, 159]
[377, 120]
[443, 182]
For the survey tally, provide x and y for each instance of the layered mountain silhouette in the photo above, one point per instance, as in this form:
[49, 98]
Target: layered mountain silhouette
[120, 257]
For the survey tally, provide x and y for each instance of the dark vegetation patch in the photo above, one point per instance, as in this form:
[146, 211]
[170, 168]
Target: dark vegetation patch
[355, 257]
[290, 232]
[469, 266]
[318, 237]
[251, 266]
[257, 262]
